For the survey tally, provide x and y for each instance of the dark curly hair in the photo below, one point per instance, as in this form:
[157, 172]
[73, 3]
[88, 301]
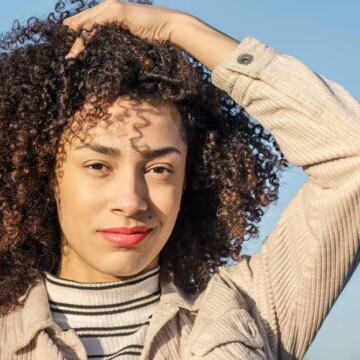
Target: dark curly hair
[232, 166]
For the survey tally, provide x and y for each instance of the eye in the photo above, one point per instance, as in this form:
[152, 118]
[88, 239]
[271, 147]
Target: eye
[161, 170]
[98, 168]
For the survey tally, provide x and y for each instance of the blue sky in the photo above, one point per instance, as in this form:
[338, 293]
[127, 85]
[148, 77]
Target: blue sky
[325, 35]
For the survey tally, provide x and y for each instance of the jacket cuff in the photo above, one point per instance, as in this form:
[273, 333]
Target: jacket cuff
[248, 59]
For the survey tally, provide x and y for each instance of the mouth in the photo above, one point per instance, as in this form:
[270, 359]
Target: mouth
[125, 237]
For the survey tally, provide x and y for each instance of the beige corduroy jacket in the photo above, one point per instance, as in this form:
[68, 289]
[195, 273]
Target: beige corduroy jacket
[271, 305]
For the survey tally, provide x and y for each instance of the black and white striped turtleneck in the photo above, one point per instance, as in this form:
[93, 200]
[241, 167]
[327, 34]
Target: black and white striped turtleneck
[111, 319]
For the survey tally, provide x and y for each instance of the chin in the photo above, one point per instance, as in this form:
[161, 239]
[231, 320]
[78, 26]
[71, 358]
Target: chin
[123, 273]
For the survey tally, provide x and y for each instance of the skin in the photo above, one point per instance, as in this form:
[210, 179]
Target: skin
[114, 179]
[155, 23]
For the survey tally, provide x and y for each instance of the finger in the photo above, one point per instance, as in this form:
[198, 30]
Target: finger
[77, 21]
[87, 22]
[74, 22]
[76, 49]
[80, 43]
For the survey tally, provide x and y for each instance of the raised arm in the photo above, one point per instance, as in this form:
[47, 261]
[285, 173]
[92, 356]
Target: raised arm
[160, 24]
[306, 261]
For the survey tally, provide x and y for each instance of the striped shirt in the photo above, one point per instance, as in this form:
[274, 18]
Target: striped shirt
[111, 319]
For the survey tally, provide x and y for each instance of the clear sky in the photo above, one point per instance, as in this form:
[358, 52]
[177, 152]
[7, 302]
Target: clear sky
[325, 35]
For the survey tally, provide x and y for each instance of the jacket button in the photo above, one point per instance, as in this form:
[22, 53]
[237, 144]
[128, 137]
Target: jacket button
[245, 59]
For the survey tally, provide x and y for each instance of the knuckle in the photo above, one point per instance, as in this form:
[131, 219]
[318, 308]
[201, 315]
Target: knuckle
[88, 27]
[69, 23]
[115, 5]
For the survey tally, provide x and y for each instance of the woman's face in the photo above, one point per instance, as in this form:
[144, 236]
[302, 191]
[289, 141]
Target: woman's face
[118, 192]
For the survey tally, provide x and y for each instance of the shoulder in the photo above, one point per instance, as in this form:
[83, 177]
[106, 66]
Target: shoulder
[226, 323]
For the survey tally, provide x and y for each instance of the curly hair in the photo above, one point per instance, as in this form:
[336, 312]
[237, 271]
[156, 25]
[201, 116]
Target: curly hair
[232, 164]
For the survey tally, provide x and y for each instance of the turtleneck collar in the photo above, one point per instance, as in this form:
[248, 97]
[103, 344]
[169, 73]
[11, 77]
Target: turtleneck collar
[110, 318]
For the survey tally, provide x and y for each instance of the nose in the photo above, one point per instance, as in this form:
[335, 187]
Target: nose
[129, 195]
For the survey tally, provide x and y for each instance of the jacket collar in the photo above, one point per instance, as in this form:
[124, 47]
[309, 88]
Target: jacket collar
[173, 296]
[24, 323]
[220, 297]
[171, 301]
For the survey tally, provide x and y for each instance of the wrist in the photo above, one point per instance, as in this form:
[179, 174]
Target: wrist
[199, 39]
[182, 25]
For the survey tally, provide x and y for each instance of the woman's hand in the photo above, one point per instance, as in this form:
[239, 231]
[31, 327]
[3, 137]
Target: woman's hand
[154, 23]
[151, 23]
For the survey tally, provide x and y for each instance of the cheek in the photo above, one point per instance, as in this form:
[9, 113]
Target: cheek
[165, 201]
[165, 198]
[76, 200]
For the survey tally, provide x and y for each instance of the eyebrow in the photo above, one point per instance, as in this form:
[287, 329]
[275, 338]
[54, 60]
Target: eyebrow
[115, 152]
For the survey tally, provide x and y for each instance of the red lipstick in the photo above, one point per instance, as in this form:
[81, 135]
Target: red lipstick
[125, 237]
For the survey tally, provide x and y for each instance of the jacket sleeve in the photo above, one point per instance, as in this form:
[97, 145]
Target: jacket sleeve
[304, 264]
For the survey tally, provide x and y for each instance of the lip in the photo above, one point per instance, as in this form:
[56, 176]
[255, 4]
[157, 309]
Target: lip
[125, 237]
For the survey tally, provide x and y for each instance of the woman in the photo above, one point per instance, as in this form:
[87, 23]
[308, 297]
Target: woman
[123, 159]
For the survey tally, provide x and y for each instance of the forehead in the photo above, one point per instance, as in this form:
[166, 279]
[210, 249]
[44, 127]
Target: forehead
[139, 124]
